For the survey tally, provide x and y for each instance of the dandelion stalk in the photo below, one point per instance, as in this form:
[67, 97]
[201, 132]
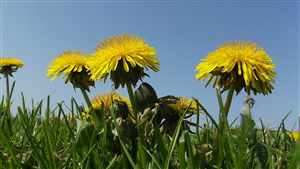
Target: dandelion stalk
[86, 97]
[7, 114]
[220, 100]
[7, 92]
[132, 99]
[226, 107]
[228, 101]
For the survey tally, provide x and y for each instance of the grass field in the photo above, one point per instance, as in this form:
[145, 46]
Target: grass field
[41, 136]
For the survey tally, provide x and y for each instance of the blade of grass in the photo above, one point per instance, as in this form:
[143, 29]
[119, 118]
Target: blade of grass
[122, 143]
[175, 137]
[153, 158]
[206, 112]
[111, 163]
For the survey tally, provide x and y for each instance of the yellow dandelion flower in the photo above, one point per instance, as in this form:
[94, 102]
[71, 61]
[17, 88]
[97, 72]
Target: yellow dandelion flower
[73, 65]
[8, 65]
[106, 101]
[294, 135]
[239, 65]
[124, 58]
[11, 62]
[121, 104]
[183, 104]
[67, 63]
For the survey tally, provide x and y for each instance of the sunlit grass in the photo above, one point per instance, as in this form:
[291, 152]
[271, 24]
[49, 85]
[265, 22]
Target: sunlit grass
[55, 137]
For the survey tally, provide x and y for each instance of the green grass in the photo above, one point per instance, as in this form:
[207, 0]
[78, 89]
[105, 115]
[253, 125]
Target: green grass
[40, 136]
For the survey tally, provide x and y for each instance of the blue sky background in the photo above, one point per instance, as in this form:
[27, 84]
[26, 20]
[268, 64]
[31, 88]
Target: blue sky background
[183, 32]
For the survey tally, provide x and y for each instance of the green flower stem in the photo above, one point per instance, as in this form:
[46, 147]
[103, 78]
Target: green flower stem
[8, 97]
[86, 98]
[224, 108]
[222, 139]
[227, 107]
[132, 99]
[220, 100]
[7, 92]
[228, 101]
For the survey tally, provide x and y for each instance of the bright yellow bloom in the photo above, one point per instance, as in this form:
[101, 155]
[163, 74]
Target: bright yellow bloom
[67, 63]
[294, 135]
[73, 65]
[10, 65]
[239, 65]
[124, 58]
[106, 101]
[11, 62]
[183, 104]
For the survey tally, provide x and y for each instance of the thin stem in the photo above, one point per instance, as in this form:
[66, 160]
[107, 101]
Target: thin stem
[228, 101]
[132, 99]
[8, 96]
[223, 125]
[226, 108]
[221, 108]
[86, 98]
[220, 100]
[7, 92]
[198, 121]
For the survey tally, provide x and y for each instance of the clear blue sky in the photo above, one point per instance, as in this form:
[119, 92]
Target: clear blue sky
[183, 32]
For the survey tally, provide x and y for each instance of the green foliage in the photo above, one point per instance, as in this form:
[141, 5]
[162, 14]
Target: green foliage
[40, 136]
